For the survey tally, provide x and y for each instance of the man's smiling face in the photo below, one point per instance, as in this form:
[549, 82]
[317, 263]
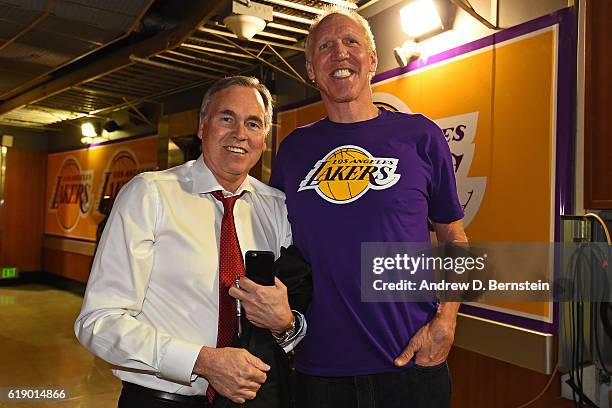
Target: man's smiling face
[340, 61]
[233, 134]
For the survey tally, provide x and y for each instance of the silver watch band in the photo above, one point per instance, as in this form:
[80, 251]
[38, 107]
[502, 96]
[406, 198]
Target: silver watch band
[293, 332]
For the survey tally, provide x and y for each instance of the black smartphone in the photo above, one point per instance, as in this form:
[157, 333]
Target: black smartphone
[260, 267]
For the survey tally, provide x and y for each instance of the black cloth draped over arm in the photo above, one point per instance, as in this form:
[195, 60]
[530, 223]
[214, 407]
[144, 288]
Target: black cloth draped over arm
[293, 270]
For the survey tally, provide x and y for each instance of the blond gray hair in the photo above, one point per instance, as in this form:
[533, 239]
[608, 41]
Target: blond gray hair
[344, 12]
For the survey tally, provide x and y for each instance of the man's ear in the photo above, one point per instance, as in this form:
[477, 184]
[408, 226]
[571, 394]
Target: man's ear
[310, 71]
[201, 128]
[373, 61]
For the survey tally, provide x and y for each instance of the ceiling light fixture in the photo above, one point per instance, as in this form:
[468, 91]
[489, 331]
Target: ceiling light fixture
[244, 26]
[248, 19]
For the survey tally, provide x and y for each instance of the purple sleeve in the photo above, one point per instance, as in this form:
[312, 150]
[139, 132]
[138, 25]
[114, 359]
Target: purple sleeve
[276, 177]
[444, 205]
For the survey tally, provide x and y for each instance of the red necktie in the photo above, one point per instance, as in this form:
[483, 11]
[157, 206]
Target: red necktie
[230, 265]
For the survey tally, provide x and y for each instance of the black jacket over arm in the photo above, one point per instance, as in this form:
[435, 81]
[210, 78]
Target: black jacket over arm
[293, 270]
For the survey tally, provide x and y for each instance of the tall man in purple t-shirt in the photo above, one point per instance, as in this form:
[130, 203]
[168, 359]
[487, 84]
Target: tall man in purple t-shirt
[357, 353]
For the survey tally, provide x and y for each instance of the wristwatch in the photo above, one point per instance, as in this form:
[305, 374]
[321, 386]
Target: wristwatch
[287, 334]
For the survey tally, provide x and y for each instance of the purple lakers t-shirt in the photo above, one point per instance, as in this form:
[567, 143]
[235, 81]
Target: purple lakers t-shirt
[373, 181]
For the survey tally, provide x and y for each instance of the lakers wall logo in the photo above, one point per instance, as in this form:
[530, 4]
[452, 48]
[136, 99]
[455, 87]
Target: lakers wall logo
[72, 194]
[390, 102]
[119, 170]
[460, 132]
[348, 172]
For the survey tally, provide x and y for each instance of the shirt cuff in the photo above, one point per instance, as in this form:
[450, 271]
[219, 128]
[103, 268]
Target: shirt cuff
[179, 360]
[299, 334]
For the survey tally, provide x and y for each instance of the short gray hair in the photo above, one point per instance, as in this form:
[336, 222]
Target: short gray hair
[239, 80]
[344, 12]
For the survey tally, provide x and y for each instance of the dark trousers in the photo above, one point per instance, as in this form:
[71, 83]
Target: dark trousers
[135, 396]
[268, 396]
[415, 387]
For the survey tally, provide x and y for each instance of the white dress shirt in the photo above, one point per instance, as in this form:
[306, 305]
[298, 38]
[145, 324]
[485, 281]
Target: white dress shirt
[152, 298]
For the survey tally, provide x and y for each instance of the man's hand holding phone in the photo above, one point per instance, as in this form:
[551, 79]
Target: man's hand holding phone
[265, 303]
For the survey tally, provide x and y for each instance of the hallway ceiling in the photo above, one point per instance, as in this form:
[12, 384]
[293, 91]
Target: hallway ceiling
[63, 60]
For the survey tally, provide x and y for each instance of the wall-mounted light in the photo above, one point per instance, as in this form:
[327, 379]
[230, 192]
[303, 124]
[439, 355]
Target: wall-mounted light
[408, 52]
[88, 130]
[419, 18]
[7, 140]
[92, 133]
[93, 140]
[111, 126]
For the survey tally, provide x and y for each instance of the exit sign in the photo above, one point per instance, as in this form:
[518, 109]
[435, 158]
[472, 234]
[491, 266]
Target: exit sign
[8, 273]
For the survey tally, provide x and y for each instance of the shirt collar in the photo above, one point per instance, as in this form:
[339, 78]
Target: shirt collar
[204, 181]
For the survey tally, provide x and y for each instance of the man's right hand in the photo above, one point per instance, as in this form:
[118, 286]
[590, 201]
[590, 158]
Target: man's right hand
[234, 373]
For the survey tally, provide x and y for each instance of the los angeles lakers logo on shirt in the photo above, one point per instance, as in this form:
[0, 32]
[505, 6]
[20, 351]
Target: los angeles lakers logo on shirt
[348, 172]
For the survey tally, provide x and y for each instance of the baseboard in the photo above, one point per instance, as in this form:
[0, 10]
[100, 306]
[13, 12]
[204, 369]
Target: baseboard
[45, 278]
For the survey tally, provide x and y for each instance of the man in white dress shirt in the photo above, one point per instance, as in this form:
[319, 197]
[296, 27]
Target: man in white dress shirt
[151, 307]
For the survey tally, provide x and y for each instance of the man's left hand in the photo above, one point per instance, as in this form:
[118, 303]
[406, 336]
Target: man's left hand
[265, 306]
[431, 343]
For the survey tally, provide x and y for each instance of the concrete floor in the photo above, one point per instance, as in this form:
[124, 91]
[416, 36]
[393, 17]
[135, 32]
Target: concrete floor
[38, 349]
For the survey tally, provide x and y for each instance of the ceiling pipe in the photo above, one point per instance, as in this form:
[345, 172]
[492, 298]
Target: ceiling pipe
[289, 17]
[296, 6]
[255, 40]
[171, 67]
